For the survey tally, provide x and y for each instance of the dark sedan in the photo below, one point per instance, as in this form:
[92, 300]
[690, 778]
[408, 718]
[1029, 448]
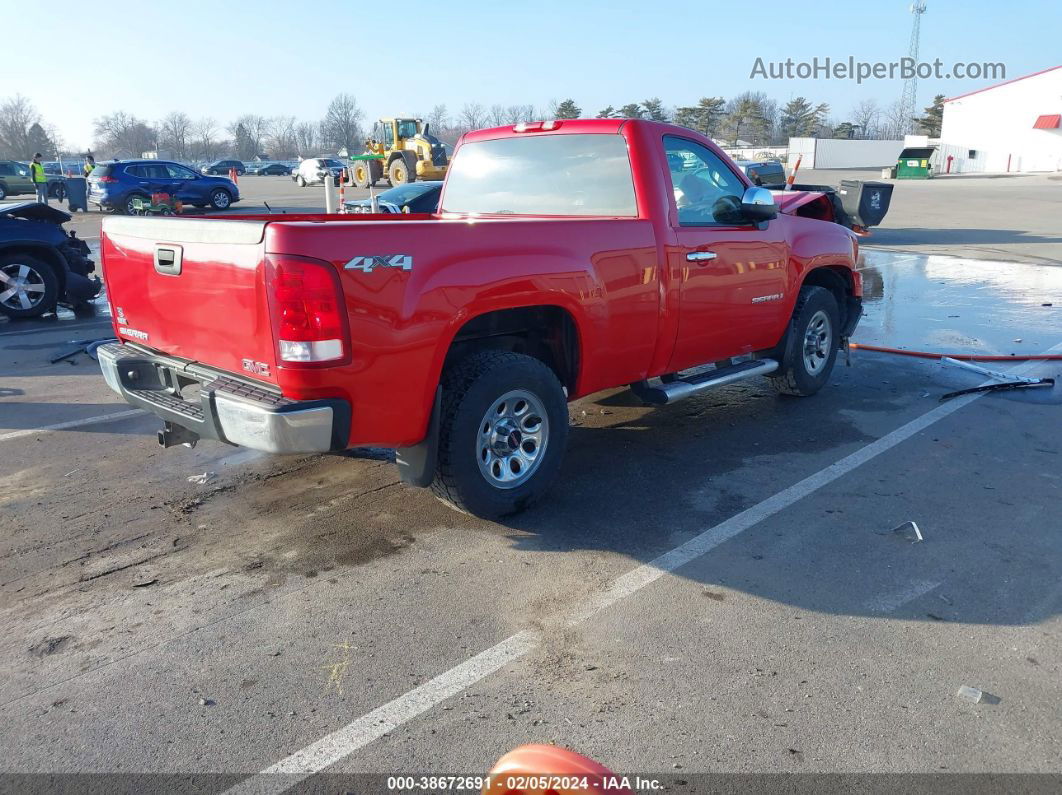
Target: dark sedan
[270, 169]
[414, 197]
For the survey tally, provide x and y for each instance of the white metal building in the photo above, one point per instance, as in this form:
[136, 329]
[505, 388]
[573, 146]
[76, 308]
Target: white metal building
[843, 152]
[1013, 126]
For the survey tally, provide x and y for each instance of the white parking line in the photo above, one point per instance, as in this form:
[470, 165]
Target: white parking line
[65, 426]
[355, 735]
[333, 747]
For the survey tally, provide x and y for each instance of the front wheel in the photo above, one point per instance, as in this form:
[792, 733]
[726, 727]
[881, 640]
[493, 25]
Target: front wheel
[502, 433]
[810, 347]
[398, 172]
[301, 181]
[28, 287]
[220, 199]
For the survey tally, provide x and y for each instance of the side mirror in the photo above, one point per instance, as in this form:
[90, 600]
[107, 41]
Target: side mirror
[757, 205]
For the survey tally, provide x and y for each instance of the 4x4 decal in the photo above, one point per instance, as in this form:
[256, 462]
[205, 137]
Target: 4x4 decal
[366, 264]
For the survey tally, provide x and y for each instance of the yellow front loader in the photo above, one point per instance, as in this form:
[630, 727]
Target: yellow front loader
[405, 152]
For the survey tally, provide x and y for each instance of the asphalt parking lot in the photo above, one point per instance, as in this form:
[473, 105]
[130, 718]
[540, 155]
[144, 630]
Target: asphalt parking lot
[714, 586]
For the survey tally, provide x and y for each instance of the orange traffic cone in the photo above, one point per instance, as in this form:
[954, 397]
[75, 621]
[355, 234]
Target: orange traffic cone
[549, 770]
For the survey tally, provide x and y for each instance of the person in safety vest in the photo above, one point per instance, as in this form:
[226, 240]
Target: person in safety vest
[40, 179]
[90, 164]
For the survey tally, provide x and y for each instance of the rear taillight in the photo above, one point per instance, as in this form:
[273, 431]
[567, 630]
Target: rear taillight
[106, 179]
[306, 310]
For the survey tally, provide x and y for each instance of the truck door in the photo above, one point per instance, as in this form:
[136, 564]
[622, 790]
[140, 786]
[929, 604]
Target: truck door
[732, 275]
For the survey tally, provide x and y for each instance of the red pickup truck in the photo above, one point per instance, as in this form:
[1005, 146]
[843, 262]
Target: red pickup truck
[567, 257]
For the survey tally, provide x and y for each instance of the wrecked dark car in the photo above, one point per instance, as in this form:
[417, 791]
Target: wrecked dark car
[41, 264]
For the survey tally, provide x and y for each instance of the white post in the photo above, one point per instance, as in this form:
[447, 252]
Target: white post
[330, 194]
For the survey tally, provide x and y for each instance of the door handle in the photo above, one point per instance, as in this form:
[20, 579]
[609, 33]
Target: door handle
[700, 256]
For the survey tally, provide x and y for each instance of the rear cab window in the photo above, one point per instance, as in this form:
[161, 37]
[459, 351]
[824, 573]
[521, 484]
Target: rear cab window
[555, 175]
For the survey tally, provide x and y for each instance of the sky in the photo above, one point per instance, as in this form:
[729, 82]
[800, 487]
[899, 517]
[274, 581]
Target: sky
[275, 57]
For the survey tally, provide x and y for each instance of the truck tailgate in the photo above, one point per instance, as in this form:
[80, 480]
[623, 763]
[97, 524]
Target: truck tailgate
[191, 288]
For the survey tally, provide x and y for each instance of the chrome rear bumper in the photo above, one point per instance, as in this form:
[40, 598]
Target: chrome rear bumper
[211, 405]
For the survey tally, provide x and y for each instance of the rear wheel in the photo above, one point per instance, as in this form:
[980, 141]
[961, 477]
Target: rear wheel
[28, 287]
[361, 175]
[811, 344]
[3, 192]
[130, 206]
[502, 433]
[301, 181]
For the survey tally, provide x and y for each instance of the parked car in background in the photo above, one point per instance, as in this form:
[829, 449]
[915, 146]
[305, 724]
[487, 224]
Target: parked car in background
[763, 172]
[414, 197]
[14, 179]
[223, 167]
[114, 185]
[269, 169]
[313, 170]
[41, 264]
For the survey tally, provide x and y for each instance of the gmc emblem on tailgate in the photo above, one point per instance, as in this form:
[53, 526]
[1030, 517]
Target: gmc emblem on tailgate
[255, 368]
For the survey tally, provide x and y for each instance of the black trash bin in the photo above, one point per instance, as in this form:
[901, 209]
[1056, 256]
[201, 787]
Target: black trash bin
[77, 194]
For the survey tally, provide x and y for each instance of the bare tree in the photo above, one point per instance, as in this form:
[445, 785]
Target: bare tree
[204, 144]
[438, 118]
[865, 116]
[518, 113]
[175, 133]
[896, 122]
[281, 137]
[307, 138]
[17, 115]
[472, 116]
[341, 126]
[120, 131]
[248, 135]
[497, 115]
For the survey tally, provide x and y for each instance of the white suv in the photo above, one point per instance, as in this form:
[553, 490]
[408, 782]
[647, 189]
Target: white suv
[313, 170]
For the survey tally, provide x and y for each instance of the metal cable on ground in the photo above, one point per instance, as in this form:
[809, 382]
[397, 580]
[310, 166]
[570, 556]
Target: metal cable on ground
[966, 357]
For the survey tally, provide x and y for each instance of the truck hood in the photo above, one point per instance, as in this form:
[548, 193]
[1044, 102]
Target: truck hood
[33, 211]
[790, 201]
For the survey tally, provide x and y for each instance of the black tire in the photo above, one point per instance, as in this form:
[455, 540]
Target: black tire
[127, 206]
[301, 181]
[360, 174]
[57, 191]
[39, 274]
[3, 192]
[398, 172]
[810, 347]
[471, 392]
[220, 199]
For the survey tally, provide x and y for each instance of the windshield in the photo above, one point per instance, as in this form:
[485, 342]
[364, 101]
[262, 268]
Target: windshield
[333, 163]
[559, 175]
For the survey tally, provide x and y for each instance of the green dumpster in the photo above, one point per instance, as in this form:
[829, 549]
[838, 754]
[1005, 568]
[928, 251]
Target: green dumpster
[913, 163]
